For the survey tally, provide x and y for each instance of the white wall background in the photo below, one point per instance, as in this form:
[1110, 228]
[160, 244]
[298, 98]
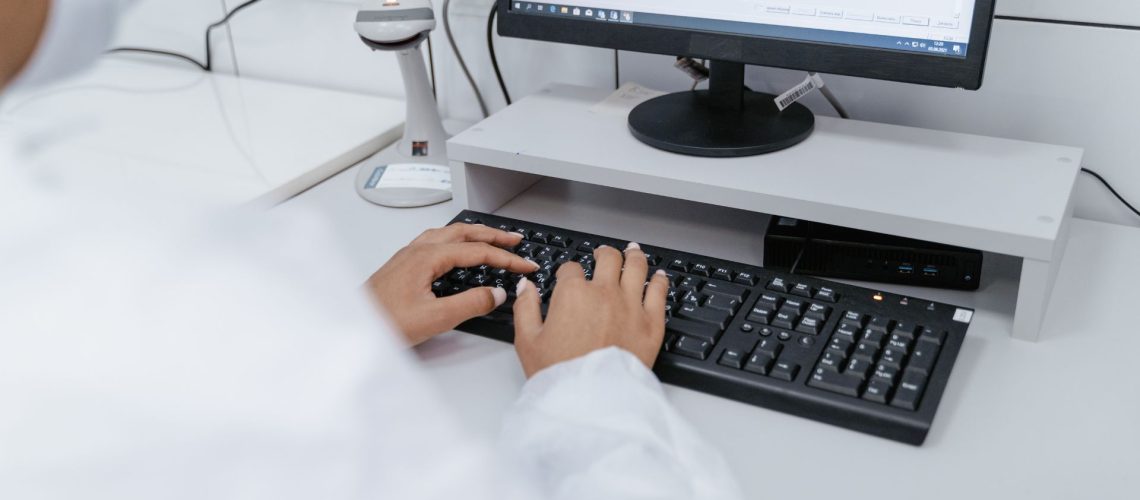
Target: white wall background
[1045, 82]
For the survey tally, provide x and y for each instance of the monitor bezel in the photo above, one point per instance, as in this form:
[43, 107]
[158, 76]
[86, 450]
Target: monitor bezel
[865, 62]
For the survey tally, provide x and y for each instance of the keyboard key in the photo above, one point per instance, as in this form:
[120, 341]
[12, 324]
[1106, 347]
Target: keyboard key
[810, 326]
[887, 374]
[459, 276]
[785, 370]
[747, 327]
[769, 347]
[745, 279]
[856, 318]
[690, 283]
[693, 347]
[802, 290]
[899, 344]
[559, 241]
[831, 360]
[706, 315]
[735, 291]
[437, 287]
[928, 335]
[679, 265]
[846, 332]
[784, 336]
[866, 351]
[505, 227]
[700, 269]
[893, 358]
[909, 391]
[840, 345]
[880, 324]
[806, 341]
[827, 295]
[874, 337]
[778, 285]
[722, 302]
[818, 311]
[692, 298]
[905, 330]
[923, 358]
[796, 305]
[760, 363]
[539, 237]
[732, 358]
[834, 382]
[721, 273]
[769, 302]
[526, 249]
[785, 319]
[587, 246]
[762, 316]
[858, 368]
[877, 391]
[471, 220]
[694, 329]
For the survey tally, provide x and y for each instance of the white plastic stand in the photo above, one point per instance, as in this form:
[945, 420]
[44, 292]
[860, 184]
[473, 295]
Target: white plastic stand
[996, 195]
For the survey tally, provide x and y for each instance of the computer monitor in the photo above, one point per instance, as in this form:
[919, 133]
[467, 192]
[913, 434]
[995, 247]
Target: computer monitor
[927, 42]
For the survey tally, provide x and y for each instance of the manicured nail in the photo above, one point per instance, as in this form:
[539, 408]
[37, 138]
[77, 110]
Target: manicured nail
[500, 296]
[661, 272]
[632, 246]
[521, 287]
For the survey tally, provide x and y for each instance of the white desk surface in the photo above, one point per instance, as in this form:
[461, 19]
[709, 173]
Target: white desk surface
[1056, 419]
[244, 140]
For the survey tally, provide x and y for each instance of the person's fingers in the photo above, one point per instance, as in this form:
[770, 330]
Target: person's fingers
[569, 272]
[528, 311]
[452, 255]
[449, 312]
[655, 300]
[607, 269]
[474, 233]
[633, 275]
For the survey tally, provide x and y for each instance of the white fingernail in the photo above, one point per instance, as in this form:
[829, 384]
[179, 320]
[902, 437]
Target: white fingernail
[520, 235]
[523, 283]
[500, 296]
[661, 272]
[633, 246]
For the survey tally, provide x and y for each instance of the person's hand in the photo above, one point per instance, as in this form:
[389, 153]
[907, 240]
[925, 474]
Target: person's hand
[403, 285]
[615, 309]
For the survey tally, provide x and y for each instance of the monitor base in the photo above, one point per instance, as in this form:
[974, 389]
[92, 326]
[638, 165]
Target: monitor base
[690, 124]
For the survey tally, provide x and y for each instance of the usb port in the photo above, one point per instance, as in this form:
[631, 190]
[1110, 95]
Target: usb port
[930, 271]
[906, 269]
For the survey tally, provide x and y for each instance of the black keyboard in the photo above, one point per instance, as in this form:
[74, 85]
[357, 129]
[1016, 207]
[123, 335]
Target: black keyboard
[857, 358]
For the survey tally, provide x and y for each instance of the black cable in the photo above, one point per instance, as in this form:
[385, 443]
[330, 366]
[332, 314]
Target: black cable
[617, 70]
[209, 64]
[184, 57]
[491, 48]
[1111, 190]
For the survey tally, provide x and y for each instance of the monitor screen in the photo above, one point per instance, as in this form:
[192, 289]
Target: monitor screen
[939, 28]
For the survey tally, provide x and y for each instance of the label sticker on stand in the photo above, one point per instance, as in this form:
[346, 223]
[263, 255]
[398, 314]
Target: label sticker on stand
[410, 175]
[812, 83]
[963, 315]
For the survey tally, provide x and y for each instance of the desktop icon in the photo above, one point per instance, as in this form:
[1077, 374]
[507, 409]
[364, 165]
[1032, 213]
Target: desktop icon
[602, 15]
[590, 12]
[626, 17]
[957, 49]
[518, 5]
[577, 11]
[553, 9]
[566, 10]
[613, 15]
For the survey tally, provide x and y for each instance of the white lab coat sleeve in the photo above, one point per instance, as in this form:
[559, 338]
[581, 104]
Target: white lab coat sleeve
[600, 427]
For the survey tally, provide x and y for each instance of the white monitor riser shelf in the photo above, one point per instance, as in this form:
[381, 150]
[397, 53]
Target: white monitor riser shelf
[996, 195]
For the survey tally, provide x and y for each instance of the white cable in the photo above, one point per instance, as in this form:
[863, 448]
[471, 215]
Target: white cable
[827, 94]
[459, 57]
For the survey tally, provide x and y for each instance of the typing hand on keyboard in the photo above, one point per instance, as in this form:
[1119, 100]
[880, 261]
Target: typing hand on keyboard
[616, 308]
[403, 287]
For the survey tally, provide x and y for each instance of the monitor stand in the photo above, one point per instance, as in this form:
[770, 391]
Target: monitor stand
[728, 120]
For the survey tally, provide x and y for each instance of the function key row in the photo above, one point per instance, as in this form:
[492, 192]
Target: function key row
[707, 271]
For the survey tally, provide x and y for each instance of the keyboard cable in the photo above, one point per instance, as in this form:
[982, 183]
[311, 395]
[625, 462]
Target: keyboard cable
[204, 66]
